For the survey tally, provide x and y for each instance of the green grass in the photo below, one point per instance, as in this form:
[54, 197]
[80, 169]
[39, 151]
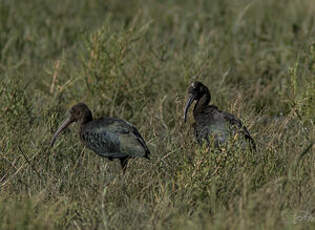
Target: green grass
[134, 60]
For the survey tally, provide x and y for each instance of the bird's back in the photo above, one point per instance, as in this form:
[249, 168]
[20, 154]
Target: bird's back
[212, 122]
[113, 138]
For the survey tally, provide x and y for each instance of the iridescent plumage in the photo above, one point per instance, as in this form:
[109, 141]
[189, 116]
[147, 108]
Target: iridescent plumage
[108, 137]
[210, 121]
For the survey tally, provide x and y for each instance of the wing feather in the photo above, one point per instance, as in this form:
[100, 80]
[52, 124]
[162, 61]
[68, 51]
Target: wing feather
[114, 138]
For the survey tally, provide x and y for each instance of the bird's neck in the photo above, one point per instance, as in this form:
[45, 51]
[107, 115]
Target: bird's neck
[202, 103]
[84, 121]
[86, 118]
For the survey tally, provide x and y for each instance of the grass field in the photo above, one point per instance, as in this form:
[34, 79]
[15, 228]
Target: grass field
[134, 60]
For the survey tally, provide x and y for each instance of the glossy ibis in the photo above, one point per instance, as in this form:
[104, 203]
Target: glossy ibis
[108, 137]
[210, 121]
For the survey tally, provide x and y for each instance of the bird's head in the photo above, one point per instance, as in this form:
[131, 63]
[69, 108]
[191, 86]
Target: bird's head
[195, 91]
[78, 113]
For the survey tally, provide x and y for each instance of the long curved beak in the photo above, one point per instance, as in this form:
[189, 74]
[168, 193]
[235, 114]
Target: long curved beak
[64, 125]
[190, 100]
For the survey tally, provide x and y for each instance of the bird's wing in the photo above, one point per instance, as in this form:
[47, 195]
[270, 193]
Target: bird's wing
[117, 136]
[101, 141]
[132, 142]
[234, 122]
[211, 122]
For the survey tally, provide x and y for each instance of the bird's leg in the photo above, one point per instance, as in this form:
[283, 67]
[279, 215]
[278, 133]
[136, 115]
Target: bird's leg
[123, 163]
[208, 144]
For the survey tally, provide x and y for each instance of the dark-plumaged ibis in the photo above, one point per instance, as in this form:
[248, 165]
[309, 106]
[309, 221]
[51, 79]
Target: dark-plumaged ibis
[108, 137]
[212, 122]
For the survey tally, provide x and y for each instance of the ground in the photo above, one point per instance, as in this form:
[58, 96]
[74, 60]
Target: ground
[134, 60]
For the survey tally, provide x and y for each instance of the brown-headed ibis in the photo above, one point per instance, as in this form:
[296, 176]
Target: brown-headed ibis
[108, 137]
[210, 121]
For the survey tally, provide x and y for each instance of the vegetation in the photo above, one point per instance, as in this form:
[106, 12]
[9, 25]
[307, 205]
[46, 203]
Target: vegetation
[134, 60]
